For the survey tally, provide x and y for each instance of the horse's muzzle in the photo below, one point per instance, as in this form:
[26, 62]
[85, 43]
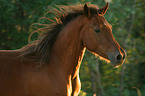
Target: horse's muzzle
[117, 57]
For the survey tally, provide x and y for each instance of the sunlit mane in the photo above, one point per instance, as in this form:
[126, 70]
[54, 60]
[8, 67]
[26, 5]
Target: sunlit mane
[40, 49]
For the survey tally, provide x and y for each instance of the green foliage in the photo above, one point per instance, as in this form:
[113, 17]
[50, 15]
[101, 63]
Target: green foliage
[127, 19]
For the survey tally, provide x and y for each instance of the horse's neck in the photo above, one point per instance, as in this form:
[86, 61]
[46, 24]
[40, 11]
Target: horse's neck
[68, 49]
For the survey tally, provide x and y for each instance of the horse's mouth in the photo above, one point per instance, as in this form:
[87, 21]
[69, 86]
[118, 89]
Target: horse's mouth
[114, 62]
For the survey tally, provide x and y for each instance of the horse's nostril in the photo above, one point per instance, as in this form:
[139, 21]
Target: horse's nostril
[123, 57]
[119, 57]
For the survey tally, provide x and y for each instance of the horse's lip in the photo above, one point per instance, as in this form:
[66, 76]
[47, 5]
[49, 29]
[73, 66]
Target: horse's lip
[116, 65]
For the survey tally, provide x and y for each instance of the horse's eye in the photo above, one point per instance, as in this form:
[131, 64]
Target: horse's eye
[97, 30]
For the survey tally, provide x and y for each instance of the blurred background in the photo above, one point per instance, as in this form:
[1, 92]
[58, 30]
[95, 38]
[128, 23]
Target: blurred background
[97, 77]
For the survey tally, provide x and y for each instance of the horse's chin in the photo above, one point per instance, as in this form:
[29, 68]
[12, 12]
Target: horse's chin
[116, 64]
[113, 64]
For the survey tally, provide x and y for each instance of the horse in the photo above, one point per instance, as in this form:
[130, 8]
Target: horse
[50, 65]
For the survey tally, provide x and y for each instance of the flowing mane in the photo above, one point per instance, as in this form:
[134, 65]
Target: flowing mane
[40, 49]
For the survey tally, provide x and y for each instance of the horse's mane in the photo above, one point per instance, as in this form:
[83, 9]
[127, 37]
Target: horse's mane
[40, 49]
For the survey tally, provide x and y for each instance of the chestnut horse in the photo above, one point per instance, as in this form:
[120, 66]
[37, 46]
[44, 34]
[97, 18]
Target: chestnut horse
[60, 49]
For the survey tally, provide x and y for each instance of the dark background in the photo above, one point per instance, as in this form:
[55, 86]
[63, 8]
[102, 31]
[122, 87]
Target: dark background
[128, 20]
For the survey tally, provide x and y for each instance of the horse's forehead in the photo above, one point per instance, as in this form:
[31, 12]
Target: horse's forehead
[100, 19]
[103, 21]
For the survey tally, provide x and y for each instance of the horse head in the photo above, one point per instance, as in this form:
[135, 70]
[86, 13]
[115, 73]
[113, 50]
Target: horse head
[97, 36]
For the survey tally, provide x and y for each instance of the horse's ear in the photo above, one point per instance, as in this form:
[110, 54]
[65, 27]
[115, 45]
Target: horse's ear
[87, 10]
[103, 10]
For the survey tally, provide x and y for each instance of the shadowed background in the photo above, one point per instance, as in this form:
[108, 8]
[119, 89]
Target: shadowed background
[128, 20]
